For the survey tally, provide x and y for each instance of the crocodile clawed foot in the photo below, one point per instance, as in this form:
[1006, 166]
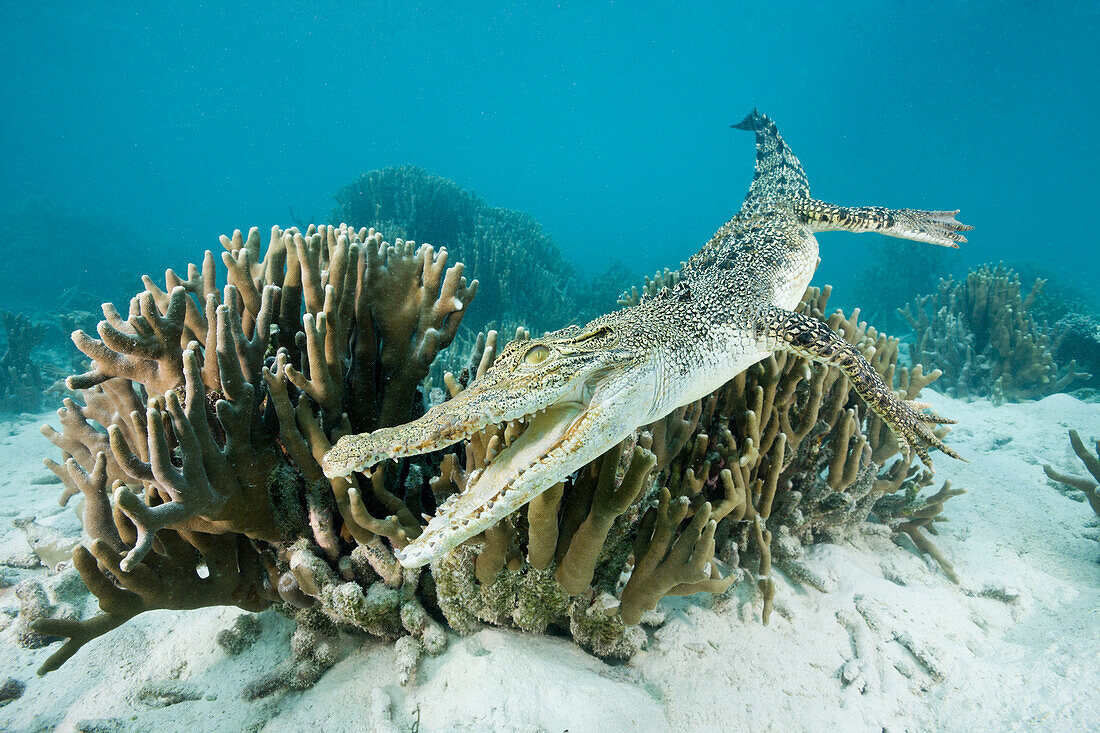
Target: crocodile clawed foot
[940, 227]
[911, 427]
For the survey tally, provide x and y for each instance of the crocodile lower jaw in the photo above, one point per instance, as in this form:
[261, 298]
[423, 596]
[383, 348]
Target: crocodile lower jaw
[547, 450]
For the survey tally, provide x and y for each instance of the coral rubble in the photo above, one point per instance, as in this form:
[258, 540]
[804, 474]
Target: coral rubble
[980, 332]
[197, 439]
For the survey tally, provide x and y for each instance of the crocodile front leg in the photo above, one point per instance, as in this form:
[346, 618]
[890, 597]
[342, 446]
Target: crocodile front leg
[933, 227]
[812, 338]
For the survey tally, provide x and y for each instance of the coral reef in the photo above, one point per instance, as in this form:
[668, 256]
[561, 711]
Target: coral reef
[22, 380]
[979, 331]
[664, 278]
[795, 457]
[197, 438]
[914, 515]
[1089, 487]
[524, 278]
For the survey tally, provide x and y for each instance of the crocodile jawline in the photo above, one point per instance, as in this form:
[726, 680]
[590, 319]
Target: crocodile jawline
[507, 482]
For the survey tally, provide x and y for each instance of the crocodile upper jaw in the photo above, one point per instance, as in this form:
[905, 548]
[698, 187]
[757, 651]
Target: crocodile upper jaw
[512, 478]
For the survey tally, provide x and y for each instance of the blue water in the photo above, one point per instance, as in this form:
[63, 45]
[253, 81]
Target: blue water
[609, 122]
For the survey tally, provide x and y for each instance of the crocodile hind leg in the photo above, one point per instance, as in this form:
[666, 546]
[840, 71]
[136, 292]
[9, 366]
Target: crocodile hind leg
[934, 227]
[812, 338]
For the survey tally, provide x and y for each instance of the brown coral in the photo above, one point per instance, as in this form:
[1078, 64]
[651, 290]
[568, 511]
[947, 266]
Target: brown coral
[785, 449]
[205, 413]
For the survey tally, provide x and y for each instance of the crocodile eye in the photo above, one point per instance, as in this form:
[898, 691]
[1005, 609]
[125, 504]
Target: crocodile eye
[536, 355]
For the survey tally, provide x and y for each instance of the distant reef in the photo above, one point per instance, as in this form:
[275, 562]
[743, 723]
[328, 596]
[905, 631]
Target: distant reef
[22, 379]
[988, 338]
[524, 279]
[46, 257]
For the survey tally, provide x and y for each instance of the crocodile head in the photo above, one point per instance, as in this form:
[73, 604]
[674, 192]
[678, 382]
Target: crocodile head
[577, 390]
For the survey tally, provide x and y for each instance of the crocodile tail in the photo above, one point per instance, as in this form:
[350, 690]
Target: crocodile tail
[779, 178]
[752, 119]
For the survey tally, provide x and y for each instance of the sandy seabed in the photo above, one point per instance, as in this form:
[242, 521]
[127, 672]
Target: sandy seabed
[893, 645]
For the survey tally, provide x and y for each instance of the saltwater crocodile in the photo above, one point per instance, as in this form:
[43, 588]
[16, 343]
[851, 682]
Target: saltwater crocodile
[581, 390]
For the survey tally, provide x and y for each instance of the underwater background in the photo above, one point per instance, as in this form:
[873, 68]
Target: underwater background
[773, 554]
[608, 122]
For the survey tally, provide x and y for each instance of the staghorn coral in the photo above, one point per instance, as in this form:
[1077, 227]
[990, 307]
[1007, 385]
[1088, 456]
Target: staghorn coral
[981, 334]
[1089, 487]
[915, 516]
[788, 455]
[557, 564]
[197, 440]
[662, 279]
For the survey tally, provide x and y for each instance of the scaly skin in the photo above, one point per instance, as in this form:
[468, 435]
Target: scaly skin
[582, 390]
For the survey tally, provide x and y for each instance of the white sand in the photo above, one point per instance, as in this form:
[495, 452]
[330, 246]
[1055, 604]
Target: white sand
[942, 656]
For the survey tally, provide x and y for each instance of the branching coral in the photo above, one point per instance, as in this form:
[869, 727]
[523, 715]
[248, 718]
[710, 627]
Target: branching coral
[1090, 488]
[788, 453]
[22, 381]
[915, 516]
[662, 279]
[557, 564]
[205, 412]
[980, 333]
